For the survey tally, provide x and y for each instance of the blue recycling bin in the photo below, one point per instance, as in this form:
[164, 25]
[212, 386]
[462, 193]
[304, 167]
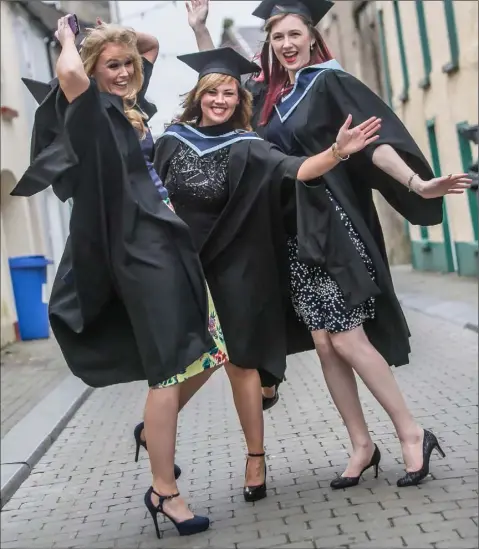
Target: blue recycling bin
[29, 277]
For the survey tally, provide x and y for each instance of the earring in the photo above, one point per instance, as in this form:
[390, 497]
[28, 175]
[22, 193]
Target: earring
[312, 46]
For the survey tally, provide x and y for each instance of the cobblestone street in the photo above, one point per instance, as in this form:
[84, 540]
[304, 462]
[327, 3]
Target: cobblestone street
[87, 492]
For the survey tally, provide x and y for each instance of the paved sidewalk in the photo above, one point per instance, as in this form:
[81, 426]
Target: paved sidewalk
[446, 296]
[39, 397]
[30, 370]
[87, 492]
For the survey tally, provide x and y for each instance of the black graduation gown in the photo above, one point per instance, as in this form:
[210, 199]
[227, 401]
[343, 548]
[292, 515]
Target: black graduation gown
[129, 300]
[245, 260]
[312, 118]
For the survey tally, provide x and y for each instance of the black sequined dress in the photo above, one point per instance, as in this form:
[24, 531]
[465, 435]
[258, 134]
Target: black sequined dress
[198, 185]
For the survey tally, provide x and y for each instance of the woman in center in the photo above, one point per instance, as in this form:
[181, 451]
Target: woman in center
[226, 183]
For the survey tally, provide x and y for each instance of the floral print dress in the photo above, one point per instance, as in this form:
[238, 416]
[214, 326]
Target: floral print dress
[217, 356]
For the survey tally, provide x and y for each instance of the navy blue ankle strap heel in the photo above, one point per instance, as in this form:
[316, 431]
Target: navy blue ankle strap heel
[185, 528]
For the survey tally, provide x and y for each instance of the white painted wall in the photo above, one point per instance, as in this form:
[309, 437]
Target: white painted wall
[37, 225]
[34, 63]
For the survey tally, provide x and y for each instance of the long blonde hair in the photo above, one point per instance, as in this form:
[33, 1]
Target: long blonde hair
[96, 39]
[241, 119]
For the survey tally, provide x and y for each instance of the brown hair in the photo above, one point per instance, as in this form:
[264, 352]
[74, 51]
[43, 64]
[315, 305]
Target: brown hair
[241, 119]
[91, 49]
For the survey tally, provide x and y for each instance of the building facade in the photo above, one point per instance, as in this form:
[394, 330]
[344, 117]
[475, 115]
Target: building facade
[38, 225]
[430, 75]
[89, 11]
[23, 228]
[351, 32]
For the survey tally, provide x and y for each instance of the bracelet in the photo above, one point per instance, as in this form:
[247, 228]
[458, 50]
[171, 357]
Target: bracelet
[409, 181]
[336, 154]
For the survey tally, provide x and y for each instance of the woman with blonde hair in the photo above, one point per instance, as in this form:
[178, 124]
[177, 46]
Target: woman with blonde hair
[129, 301]
[226, 183]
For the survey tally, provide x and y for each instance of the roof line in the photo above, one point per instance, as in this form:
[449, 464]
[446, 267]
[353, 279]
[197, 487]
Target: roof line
[242, 42]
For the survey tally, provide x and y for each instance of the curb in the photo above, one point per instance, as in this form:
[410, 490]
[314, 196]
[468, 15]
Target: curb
[27, 442]
[458, 313]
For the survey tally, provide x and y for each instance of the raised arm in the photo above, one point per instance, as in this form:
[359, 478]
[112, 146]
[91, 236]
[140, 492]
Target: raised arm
[71, 74]
[395, 153]
[197, 15]
[148, 46]
[348, 141]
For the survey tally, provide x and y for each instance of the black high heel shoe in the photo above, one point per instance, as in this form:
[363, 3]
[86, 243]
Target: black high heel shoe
[185, 528]
[348, 482]
[269, 402]
[137, 434]
[429, 444]
[255, 493]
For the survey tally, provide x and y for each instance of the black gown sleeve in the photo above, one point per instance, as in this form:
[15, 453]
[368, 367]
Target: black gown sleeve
[258, 92]
[85, 117]
[345, 94]
[146, 106]
[282, 169]
[52, 159]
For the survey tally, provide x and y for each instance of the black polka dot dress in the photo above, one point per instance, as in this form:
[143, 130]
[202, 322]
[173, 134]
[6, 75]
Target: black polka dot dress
[317, 299]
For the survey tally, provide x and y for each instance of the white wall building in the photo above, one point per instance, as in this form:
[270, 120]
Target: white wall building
[37, 225]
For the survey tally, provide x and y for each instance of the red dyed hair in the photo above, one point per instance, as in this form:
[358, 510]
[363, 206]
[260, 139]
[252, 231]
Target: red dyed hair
[276, 77]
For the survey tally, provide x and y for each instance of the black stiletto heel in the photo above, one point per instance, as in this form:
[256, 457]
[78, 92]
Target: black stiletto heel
[255, 493]
[137, 434]
[348, 482]
[429, 444]
[185, 528]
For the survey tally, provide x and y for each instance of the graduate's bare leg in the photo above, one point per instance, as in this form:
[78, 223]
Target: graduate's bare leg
[355, 348]
[341, 382]
[246, 387]
[189, 388]
[161, 416]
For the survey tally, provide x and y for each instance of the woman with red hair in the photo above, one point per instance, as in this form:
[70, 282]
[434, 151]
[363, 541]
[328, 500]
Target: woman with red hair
[340, 282]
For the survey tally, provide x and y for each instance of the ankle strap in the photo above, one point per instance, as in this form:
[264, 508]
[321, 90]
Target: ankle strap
[164, 498]
[256, 455]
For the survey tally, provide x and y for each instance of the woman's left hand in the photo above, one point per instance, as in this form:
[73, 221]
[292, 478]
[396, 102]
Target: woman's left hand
[64, 33]
[353, 140]
[440, 186]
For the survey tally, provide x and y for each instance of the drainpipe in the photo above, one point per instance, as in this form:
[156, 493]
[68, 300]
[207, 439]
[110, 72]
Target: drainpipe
[48, 44]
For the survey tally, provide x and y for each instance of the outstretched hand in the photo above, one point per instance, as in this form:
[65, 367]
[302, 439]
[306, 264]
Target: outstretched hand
[353, 140]
[440, 186]
[197, 12]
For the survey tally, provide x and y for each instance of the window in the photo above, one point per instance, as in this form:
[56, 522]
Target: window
[436, 166]
[426, 52]
[385, 60]
[466, 158]
[453, 65]
[402, 53]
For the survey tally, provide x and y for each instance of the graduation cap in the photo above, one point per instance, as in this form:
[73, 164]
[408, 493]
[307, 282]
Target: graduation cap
[222, 61]
[39, 90]
[313, 10]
